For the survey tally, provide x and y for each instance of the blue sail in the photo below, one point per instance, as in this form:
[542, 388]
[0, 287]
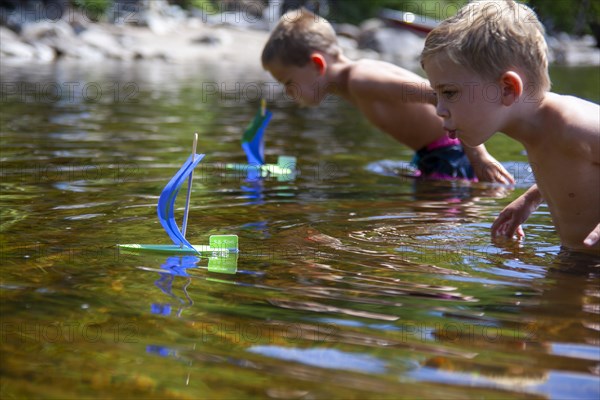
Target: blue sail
[253, 141]
[166, 201]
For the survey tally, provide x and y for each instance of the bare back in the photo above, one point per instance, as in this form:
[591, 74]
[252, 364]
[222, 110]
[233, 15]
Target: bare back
[386, 93]
[565, 157]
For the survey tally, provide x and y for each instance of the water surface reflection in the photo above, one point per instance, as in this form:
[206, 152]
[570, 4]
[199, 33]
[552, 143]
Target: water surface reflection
[352, 281]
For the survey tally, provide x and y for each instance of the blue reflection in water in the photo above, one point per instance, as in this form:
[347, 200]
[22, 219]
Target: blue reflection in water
[174, 266]
[324, 358]
[161, 350]
[557, 384]
[254, 190]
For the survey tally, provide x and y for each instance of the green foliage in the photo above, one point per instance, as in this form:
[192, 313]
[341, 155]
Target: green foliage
[204, 5]
[208, 6]
[93, 9]
[357, 11]
[572, 16]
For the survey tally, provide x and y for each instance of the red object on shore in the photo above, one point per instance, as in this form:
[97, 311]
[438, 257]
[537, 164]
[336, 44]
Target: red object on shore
[407, 20]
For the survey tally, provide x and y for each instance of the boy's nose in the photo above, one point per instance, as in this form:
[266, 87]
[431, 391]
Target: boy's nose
[441, 110]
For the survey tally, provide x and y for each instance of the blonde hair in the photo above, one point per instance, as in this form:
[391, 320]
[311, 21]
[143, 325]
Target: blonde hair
[298, 34]
[492, 36]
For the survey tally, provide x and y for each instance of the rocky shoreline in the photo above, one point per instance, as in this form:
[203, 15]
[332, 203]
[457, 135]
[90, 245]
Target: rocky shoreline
[168, 33]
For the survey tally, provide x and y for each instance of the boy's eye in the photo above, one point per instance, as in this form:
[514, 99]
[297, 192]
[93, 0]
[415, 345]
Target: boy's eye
[449, 94]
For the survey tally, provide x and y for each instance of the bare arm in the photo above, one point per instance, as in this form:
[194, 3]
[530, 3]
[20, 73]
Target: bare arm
[486, 167]
[508, 223]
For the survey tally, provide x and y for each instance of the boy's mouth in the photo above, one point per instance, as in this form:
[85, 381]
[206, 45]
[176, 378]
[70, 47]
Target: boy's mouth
[452, 134]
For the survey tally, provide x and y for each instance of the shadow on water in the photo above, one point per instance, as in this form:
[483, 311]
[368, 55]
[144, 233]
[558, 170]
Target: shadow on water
[352, 281]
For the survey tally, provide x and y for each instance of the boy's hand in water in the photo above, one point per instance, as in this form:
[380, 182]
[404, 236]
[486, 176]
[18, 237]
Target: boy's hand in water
[493, 171]
[508, 223]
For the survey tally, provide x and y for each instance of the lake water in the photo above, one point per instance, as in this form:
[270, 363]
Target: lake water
[352, 282]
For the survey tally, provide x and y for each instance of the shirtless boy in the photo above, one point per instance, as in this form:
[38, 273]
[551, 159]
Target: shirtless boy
[488, 66]
[303, 54]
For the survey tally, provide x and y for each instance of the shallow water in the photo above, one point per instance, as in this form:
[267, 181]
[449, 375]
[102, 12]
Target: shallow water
[352, 282]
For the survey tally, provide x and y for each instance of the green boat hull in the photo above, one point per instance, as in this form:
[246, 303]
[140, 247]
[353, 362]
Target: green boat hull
[265, 170]
[166, 248]
[217, 243]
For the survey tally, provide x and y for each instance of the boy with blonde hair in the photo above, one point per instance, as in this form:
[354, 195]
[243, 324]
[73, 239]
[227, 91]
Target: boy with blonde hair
[488, 66]
[303, 54]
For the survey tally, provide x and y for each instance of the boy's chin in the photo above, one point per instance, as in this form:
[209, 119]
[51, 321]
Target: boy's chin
[469, 142]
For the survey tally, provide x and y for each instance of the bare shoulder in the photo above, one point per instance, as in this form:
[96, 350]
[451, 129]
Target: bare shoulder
[377, 70]
[366, 75]
[572, 115]
[575, 120]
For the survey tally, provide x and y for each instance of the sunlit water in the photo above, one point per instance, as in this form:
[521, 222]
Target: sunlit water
[352, 281]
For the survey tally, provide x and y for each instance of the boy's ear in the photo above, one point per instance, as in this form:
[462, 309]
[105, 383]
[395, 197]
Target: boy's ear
[511, 86]
[319, 61]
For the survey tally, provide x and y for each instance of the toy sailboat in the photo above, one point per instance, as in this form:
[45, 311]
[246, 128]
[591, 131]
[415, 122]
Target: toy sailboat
[253, 145]
[166, 214]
